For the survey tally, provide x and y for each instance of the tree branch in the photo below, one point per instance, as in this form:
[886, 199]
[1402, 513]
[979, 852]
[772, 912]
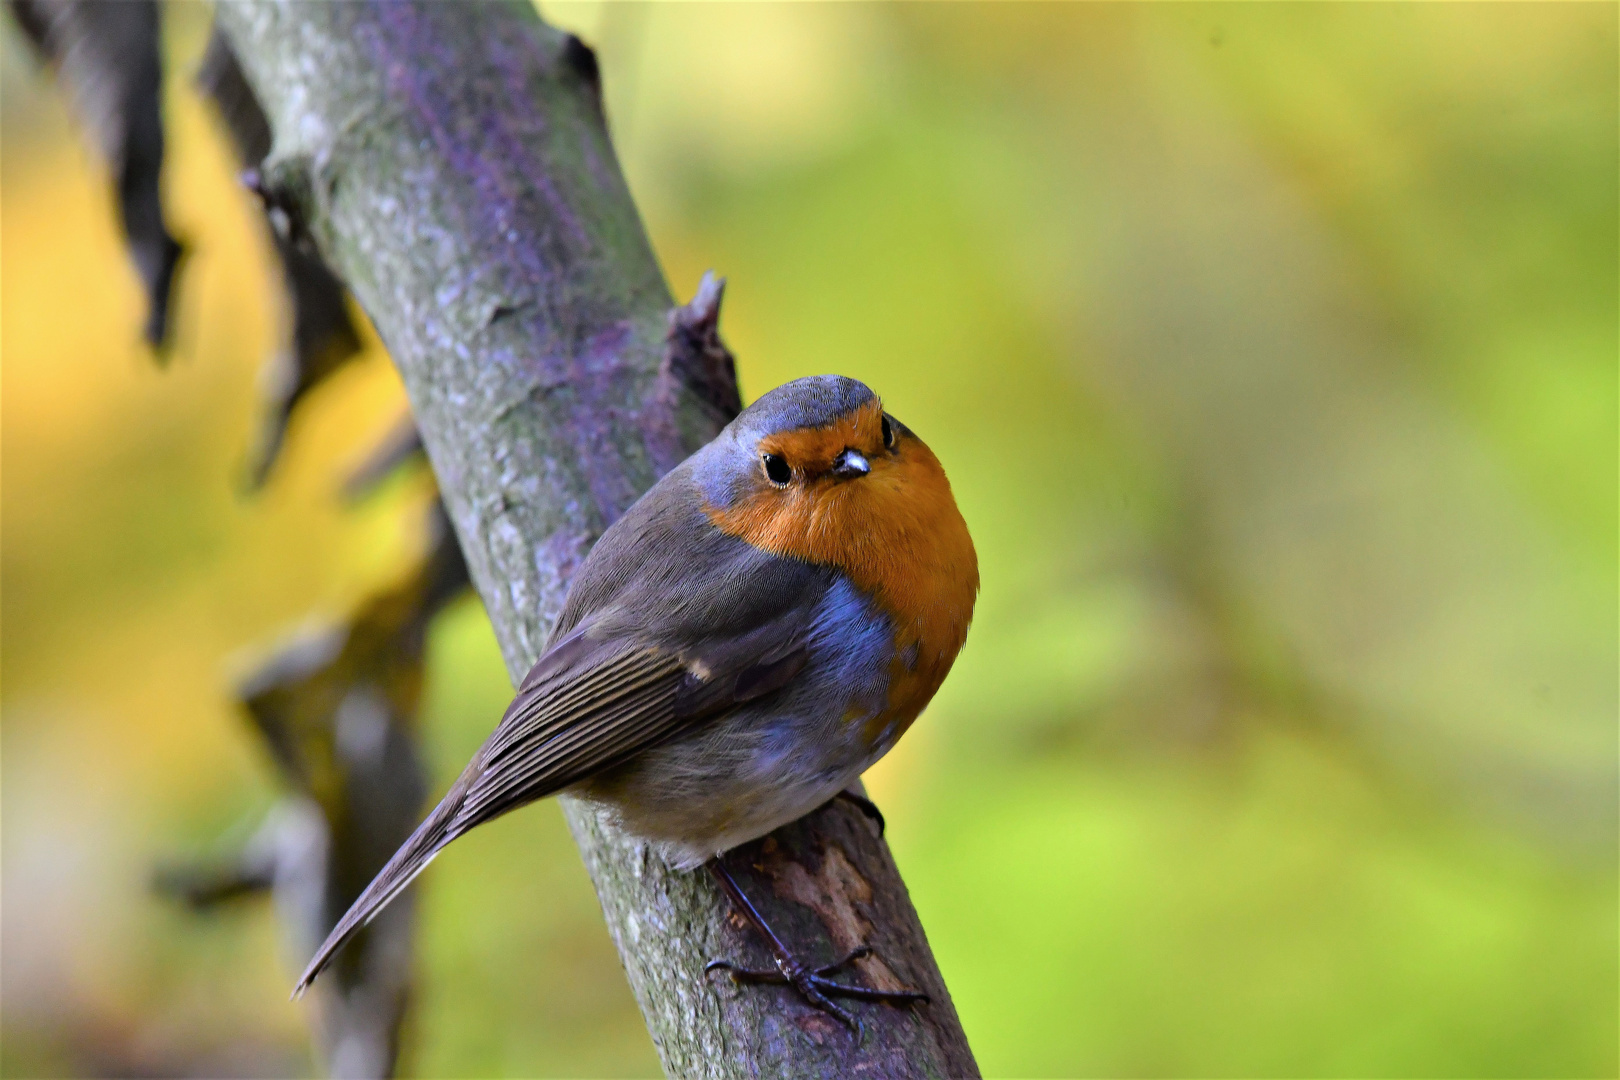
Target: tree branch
[451, 162]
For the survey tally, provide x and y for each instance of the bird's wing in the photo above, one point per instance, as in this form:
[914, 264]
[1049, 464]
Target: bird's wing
[588, 704]
[563, 728]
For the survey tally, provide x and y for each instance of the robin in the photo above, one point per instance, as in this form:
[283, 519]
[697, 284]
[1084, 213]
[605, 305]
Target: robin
[753, 633]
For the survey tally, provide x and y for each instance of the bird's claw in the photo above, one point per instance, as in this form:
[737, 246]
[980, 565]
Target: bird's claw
[816, 987]
[780, 976]
[813, 985]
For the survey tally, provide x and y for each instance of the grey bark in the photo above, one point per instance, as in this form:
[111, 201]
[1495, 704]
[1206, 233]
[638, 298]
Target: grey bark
[452, 164]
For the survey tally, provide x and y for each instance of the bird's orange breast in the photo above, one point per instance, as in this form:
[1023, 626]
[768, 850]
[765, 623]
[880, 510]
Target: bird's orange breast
[896, 533]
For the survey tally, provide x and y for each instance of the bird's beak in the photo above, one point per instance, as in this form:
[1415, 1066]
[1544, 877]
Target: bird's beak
[850, 464]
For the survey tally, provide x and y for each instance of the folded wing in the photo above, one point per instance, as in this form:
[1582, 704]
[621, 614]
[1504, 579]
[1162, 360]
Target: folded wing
[586, 706]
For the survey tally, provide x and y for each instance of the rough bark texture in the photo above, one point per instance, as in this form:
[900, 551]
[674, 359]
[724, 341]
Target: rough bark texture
[451, 162]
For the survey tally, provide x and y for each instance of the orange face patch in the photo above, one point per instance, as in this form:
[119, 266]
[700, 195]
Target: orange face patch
[895, 532]
[810, 451]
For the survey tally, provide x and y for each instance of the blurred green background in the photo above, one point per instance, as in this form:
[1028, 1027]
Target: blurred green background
[1272, 353]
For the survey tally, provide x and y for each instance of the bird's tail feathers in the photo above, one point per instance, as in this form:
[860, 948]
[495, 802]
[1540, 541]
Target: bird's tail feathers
[410, 860]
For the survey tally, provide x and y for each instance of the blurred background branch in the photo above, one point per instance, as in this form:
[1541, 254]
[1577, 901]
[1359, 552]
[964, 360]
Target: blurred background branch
[337, 707]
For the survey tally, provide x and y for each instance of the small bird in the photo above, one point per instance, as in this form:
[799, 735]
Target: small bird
[746, 640]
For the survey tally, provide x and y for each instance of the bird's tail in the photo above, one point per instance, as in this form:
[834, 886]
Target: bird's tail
[411, 859]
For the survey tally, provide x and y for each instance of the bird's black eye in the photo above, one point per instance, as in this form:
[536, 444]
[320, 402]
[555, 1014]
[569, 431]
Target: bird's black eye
[776, 469]
[888, 434]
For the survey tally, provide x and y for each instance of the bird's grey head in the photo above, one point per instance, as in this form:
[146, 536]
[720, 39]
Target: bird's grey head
[811, 402]
[727, 465]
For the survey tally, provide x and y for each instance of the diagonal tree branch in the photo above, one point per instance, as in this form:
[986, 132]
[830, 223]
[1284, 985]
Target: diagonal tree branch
[452, 164]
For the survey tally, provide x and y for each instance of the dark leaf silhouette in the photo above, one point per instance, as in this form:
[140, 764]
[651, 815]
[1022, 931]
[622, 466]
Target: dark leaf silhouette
[106, 55]
[324, 336]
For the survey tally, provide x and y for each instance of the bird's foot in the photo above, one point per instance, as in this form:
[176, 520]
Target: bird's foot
[816, 986]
